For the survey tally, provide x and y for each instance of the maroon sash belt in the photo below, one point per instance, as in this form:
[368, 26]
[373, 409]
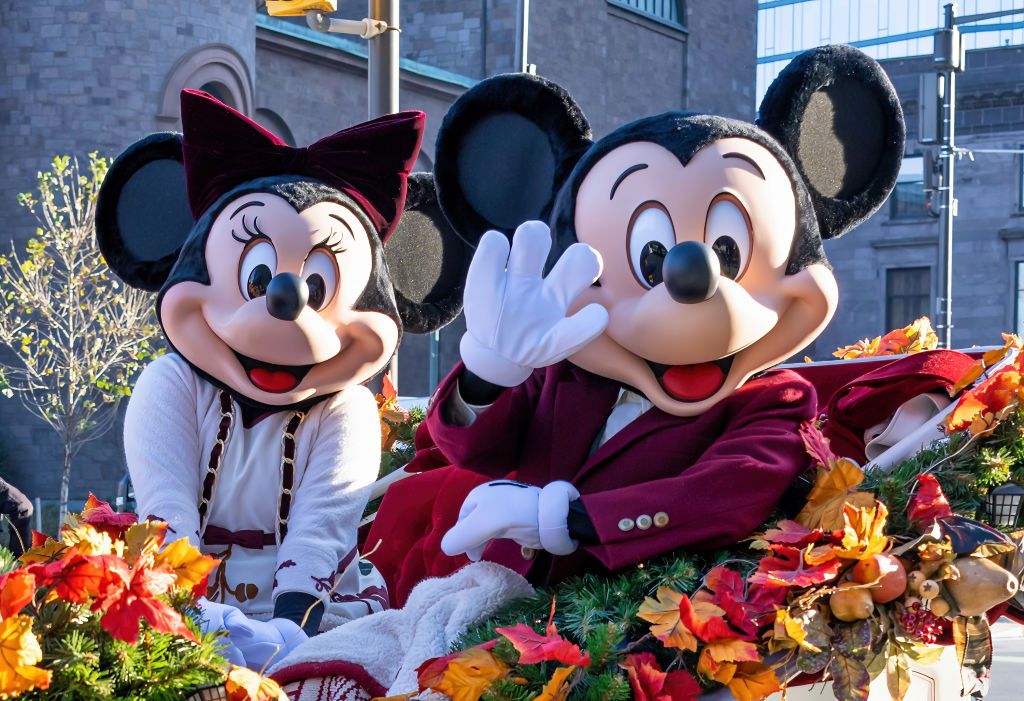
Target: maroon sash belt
[254, 540]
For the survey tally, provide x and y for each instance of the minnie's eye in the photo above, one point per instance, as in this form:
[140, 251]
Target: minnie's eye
[728, 234]
[650, 238]
[321, 274]
[258, 265]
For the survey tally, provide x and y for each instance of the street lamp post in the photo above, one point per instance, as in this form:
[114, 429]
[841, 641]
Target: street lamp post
[382, 71]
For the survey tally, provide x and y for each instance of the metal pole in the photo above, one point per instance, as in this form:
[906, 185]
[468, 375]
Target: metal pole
[522, 35]
[947, 153]
[382, 83]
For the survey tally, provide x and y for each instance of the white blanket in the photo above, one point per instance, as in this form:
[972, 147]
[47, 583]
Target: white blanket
[390, 645]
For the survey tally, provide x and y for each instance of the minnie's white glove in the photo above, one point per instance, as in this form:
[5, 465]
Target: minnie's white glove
[213, 619]
[516, 319]
[250, 643]
[531, 516]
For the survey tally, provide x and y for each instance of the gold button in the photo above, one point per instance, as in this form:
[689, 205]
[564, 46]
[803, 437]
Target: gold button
[626, 524]
[643, 522]
[661, 519]
[527, 553]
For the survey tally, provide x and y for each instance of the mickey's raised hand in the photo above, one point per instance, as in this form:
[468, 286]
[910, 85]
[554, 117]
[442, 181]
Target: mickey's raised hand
[516, 319]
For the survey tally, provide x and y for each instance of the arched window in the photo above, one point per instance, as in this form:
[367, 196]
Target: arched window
[216, 68]
[272, 121]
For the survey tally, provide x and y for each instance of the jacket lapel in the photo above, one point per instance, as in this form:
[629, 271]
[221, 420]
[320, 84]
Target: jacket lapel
[652, 420]
[582, 405]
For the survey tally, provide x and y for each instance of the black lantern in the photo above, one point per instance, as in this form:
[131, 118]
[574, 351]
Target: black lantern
[1003, 504]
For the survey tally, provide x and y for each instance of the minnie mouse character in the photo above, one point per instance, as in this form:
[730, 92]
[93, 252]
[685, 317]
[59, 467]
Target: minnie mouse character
[615, 401]
[285, 279]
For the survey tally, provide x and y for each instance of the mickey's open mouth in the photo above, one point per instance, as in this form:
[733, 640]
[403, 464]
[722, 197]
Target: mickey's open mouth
[270, 377]
[692, 383]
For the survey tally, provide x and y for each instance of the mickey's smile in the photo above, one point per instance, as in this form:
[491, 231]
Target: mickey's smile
[693, 383]
[272, 378]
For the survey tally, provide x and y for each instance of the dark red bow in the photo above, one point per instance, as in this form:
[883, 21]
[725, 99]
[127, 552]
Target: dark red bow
[370, 162]
[253, 540]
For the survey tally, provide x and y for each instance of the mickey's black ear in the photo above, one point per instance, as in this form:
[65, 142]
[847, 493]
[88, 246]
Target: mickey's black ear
[503, 150]
[836, 113]
[142, 212]
[427, 260]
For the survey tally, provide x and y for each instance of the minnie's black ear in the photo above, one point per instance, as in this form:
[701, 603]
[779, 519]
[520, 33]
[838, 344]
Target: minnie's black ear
[427, 260]
[142, 212]
[503, 150]
[836, 113]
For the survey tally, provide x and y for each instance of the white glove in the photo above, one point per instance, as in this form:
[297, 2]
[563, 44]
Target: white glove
[531, 516]
[251, 643]
[516, 319]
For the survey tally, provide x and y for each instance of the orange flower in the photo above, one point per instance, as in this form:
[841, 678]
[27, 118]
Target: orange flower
[16, 590]
[246, 685]
[19, 653]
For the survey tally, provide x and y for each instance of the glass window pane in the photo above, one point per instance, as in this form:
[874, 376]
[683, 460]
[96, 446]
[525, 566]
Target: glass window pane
[907, 295]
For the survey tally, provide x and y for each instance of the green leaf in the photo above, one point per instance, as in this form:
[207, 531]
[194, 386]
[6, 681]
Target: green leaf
[924, 654]
[853, 639]
[850, 680]
[897, 676]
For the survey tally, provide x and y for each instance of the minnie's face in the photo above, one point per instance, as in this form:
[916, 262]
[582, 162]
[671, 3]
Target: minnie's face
[277, 323]
[694, 276]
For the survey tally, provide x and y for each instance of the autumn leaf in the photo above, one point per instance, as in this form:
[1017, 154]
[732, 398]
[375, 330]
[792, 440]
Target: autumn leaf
[833, 488]
[138, 601]
[190, 567]
[988, 359]
[17, 588]
[725, 589]
[705, 620]
[650, 683]
[534, 647]
[663, 613]
[753, 681]
[75, 578]
[913, 338]
[789, 532]
[44, 549]
[817, 445]
[142, 541]
[431, 671]
[719, 652]
[928, 503]
[99, 515]
[246, 685]
[470, 674]
[786, 568]
[557, 689]
[863, 532]
[19, 653]
[791, 628]
[87, 540]
[981, 408]
[390, 413]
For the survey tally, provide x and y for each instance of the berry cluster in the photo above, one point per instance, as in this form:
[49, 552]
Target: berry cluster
[921, 624]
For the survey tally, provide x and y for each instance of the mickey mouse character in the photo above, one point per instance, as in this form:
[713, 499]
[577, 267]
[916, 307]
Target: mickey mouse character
[626, 390]
[285, 280]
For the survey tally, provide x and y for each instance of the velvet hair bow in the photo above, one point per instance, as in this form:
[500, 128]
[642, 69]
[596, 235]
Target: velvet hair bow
[370, 162]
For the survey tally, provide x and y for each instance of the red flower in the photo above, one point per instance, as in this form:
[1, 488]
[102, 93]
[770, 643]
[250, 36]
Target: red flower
[650, 683]
[533, 647]
[100, 516]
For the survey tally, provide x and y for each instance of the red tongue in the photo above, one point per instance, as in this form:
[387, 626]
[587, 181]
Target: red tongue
[692, 383]
[272, 380]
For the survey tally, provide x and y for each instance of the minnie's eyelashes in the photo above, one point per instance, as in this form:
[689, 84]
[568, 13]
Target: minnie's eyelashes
[336, 248]
[250, 234]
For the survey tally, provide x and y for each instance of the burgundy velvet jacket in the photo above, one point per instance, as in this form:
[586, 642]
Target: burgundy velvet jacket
[702, 482]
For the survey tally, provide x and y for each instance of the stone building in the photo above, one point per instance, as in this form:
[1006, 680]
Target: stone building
[888, 268]
[82, 75]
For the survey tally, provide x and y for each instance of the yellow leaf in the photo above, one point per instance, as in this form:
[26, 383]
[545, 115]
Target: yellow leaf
[190, 566]
[470, 674]
[46, 552]
[142, 541]
[788, 627]
[87, 540]
[753, 681]
[832, 488]
[557, 689]
[246, 685]
[863, 532]
[19, 653]
[663, 615]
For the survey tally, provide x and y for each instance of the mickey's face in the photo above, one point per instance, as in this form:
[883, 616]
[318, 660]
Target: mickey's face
[694, 278]
[277, 322]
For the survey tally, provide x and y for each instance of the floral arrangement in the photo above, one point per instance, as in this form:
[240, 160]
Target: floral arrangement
[873, 572]
[108, 611]
[397, 429]
[916, 337]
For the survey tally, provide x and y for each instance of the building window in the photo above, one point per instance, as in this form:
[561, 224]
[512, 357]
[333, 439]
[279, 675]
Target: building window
[670, 11]
[1018, 298]
[908, 200]
[1020, 180]
[908, 294]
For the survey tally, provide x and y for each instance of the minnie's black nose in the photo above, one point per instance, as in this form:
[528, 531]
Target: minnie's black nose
[287, 294]
[691, 272]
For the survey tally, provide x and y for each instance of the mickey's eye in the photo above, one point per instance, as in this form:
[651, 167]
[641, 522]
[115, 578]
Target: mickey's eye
[321, 274]
[651, 235]
[727, 231]
[259, 263]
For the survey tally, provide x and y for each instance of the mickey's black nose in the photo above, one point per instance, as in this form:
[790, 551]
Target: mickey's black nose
[287, 294]
[691, 272]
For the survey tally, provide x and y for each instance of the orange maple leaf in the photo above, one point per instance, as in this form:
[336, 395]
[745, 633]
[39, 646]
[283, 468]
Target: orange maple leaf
[534, 647]
[17, 588]
[19, 653]
[557, 688]
[983, 407]
[833, 487]
[863, 532]
[139, 600]
[913, 338]
[44, 549]
[718, 652]
[143, 540]
[470, 674]
[75, 578]
[190, 567]
[663, 613]
[753, 681]
[246, 685]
